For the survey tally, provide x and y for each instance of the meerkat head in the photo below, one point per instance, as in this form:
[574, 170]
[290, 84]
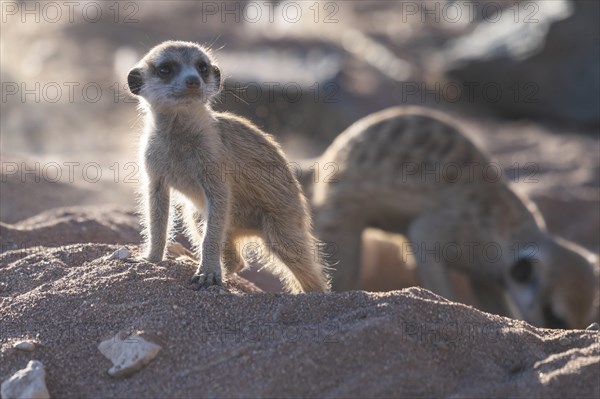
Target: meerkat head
[557, 286]
[175, 73]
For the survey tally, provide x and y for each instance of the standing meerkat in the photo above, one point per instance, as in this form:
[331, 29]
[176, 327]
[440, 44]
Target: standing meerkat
[234, 179]
[409, 171]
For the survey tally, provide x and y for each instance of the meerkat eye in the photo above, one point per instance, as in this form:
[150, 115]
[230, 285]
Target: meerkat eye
[164, 70]
[203, 68]
[522, 270]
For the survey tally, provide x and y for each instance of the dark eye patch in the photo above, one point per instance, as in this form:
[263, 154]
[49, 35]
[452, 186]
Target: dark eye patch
[522, 270]
[166, 69]
[203, 68]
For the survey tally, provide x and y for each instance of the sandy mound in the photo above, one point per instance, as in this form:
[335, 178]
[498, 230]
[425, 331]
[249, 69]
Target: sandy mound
[63, 226]
[23, 197]
[235, 341]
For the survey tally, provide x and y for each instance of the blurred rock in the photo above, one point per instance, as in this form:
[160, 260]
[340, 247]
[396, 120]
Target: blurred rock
[546, 65]
[27, 383]
[287, 88]
[305, 91]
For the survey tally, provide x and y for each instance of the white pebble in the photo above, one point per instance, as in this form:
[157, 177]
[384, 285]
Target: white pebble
[121, 253]
[594, 327]
[27, 383]
[128, 354]
[27, 346]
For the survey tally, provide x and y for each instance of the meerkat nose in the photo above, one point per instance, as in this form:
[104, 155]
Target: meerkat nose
[192, 82]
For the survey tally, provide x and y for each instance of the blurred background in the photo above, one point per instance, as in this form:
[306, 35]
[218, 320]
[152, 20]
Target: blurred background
[522, 76]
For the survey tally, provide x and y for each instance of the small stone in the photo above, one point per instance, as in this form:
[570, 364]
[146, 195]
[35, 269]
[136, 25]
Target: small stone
[593, 327]
[565, 341]
[27, 383]
[128, 354]
[27, 346]
[442, 345]
[121, 253]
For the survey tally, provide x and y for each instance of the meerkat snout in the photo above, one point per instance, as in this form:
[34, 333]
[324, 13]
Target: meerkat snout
[176, 72]
[192, 82]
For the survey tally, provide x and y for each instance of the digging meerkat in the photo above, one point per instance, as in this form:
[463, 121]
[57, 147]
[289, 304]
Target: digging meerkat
[233, 179]
[409, 171]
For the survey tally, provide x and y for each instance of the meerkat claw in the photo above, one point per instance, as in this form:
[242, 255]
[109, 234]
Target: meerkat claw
[205, 280]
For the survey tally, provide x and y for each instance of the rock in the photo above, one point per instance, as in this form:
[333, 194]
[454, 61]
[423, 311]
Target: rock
[543, 63]
[593, 327]
[284, 86]
[128, 353]
[121, 253]
[27, 346]
[27, 383]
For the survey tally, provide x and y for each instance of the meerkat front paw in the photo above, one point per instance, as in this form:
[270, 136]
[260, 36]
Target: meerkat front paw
[206, 279]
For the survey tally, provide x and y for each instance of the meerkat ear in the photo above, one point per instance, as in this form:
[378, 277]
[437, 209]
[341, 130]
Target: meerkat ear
[135, 80]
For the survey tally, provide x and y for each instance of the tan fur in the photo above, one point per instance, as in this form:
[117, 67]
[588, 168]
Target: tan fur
[382, 181]
[233, 179]
[382, 266]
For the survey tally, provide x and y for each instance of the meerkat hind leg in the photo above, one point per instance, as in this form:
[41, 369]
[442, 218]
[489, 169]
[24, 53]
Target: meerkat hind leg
[193, 226]
[232, 260]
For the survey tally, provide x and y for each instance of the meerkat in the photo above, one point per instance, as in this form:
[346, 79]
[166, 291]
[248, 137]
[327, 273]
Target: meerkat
[412, 172]
[232, 179]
